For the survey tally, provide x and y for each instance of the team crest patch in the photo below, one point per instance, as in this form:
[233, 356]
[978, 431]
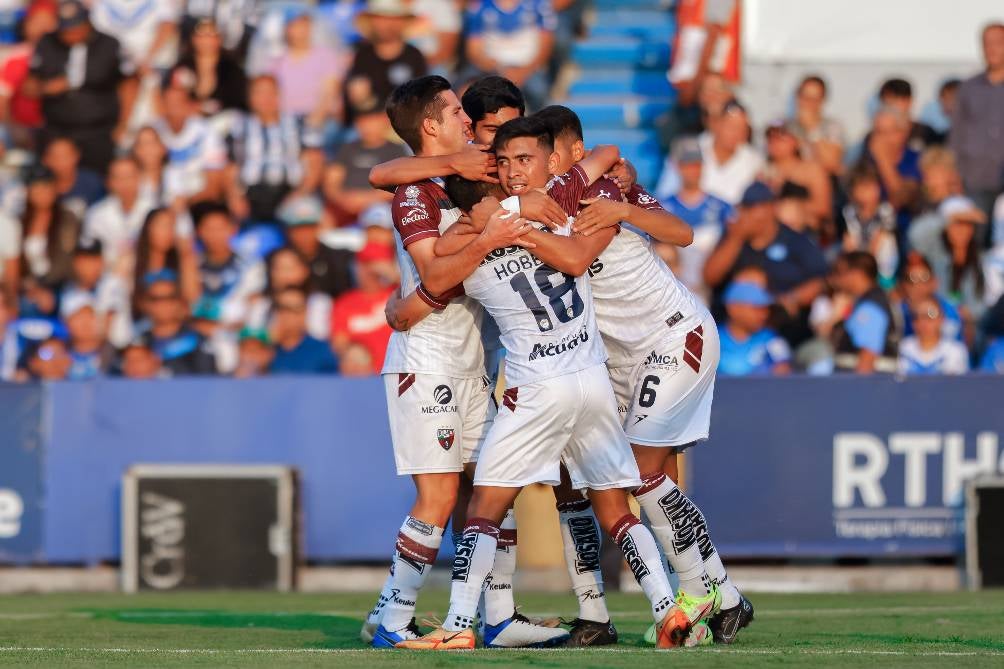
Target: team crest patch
[411, 194]
[445, 437]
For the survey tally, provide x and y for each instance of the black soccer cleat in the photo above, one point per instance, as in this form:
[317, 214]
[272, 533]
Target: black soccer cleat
[725, 625]
[591, 633]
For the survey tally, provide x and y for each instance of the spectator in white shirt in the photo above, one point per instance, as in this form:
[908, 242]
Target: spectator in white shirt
[928, 351]
[116, 220]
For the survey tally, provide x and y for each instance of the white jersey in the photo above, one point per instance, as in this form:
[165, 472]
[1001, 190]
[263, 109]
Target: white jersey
[638, 299]
[134, 23]
[448, 341]
[948, 357]
[190, 152]
[545, 318]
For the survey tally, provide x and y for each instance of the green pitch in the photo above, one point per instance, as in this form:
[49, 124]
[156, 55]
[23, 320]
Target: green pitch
[272, 630]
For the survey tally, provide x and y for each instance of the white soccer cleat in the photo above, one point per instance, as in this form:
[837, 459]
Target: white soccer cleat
[519, 632]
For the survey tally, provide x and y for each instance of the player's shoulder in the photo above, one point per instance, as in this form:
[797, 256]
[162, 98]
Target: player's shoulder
[418, 191]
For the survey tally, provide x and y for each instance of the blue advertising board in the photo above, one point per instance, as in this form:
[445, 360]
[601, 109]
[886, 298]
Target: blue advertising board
[845, 466]
[21, 504]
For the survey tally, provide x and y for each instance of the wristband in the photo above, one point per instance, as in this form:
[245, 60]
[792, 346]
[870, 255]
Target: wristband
[429, 298]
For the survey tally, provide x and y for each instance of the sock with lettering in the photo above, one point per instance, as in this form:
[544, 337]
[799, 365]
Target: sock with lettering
[473, 562]
[417, 546]
[498, 598]
[376, 614]
[669, 513]
[712, 561]
[642, 555]
[580, 536]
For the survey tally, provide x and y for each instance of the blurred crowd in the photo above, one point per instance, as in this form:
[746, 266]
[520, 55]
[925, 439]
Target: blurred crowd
[823, 253]
[184, 183]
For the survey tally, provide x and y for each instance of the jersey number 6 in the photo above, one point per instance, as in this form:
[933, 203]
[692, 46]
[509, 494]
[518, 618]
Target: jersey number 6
[554, 294]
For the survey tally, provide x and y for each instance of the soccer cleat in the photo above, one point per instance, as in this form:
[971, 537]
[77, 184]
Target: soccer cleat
[725, 625]
[383, 638]
[591, 633]
[441, 639]
[366, 633]
[700, 608]
[700, 635]
[672, 630]
[519, 632]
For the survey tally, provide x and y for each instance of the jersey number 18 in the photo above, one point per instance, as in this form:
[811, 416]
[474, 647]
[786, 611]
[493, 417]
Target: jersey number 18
[554, 294]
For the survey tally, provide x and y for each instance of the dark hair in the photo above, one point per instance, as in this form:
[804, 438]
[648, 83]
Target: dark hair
[414, 101]
[489, 94]
[465, 194]
[948, 85]
[971, 263]
[307, 285]
[793, 191]
[562, 121]
[812, 79]
[526, 126]
[864, 172]
[204, 209]
[861, 261]
[896, 88]
[172, 260]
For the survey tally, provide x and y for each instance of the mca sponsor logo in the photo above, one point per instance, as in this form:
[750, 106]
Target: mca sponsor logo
[587, 544]
[557, 348]
[661, 360]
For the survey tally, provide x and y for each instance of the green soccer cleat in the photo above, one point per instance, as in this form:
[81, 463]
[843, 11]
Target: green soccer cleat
[698, 610]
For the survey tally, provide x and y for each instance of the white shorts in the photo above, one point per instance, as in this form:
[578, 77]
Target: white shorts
[666, 398]
[570, 418]
[437, 423]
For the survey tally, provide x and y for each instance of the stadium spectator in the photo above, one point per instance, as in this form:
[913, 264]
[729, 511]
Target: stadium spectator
[993, 358]
[331, 269]
[346, 179]
[706, 214]
[20, 105]
[383, 60]
[358, 315]
[296, 352]
[287, 269]
[236, 21]
[886, 149]
[794, 265]
[917, 283]
[10, 343]
[730, 164]
[436, 33]
[929, 351]
[49, 232]
[116, 220]
[792, 209]
[78, 71]
[255, 353]
[10, 254]
[820, 137]
[898, 94]
[181, 350]
[48, 360]
[138, 360]
[309, 74]
[785, 164]
[355, 361]
[220, 83]
[150, 154]
[109, 293]
[196, 155]
[977, 135]
[938, 112]
[89, 354]
[865, 341]
[160, 247]
[273, 156]
[868, 223]
[78, 187]
[748, 346]
[513, 38]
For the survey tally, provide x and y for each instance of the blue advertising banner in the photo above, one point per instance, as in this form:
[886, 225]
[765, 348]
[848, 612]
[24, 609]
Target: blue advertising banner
[845, 466]
[20, 473]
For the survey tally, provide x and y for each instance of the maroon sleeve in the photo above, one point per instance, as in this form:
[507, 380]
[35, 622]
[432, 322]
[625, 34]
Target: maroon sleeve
[602, 187]
[640, 197]
[415, 209]
[567, 189]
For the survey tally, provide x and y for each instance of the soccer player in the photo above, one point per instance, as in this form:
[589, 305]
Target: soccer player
[558, 405]
[437, 392]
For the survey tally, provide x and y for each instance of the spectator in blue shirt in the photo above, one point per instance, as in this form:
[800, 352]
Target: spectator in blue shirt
[513, 38]
[993, 358]
[886, 148]
[296, 352]
[748, 346]
[864, 341]
[181, 350]
[86, 340]
[917, 283]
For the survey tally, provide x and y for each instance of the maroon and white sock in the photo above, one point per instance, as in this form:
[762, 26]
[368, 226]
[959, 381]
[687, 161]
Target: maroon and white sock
[642, 556]
[473, 562]
[417, 546]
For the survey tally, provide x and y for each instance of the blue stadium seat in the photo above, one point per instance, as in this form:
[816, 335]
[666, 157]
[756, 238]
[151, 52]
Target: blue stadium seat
[618, 112]
[607, 51]
[622, 81]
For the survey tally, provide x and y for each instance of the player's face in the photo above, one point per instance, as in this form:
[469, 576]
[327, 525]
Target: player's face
[570, 151]
[454, 131]
[485, 129]
[524, 164]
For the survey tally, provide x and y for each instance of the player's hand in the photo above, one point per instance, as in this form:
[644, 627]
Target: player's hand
[623, 174]
[390, 312]
[475, 163]
[504, 228]
[539, 206]
[599, 213]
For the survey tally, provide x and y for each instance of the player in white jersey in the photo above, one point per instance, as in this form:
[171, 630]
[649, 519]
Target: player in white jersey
[558, 406]
[437, 395]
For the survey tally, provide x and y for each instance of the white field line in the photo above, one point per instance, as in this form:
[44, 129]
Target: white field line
[348, 651]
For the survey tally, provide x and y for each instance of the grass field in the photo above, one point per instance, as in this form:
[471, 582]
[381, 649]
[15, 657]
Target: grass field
[273, 630]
